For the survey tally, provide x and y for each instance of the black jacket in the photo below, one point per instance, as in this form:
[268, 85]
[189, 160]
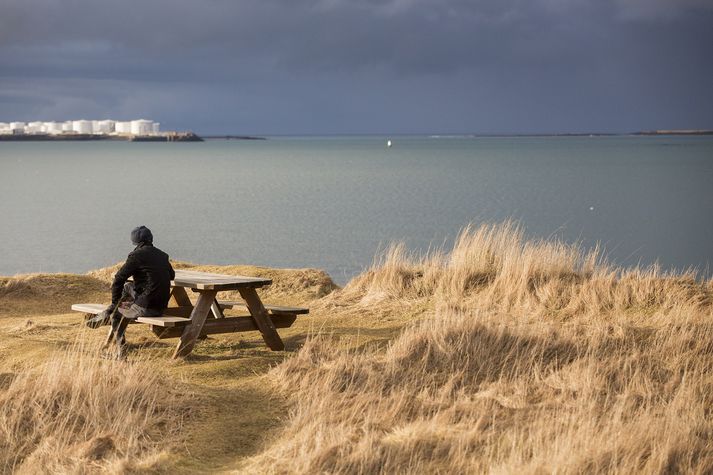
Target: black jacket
[152, 275]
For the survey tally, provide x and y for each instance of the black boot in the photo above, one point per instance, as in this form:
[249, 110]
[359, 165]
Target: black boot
[100, 319]
[118, 325]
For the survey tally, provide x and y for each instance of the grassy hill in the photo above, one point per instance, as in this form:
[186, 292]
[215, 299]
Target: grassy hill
[501, 354]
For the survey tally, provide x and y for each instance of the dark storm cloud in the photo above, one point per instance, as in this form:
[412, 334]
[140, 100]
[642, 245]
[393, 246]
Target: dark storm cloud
[335, 66]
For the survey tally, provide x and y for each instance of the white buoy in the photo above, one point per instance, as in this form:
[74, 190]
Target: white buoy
[388, 143]
[591, 208]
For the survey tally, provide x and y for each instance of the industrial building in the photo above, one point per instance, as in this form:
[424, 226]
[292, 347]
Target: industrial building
[139, 127]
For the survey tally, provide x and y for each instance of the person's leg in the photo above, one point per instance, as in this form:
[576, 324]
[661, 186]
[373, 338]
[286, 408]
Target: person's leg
[128, 295]
[118, 327]
[149, 312]
[120, 333]
[121, 320]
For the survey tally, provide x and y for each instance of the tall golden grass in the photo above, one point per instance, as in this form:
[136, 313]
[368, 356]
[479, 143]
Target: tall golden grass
[77, 413]
[538, 357]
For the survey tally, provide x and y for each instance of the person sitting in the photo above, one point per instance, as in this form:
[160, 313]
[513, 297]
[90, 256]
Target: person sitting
[146, 296]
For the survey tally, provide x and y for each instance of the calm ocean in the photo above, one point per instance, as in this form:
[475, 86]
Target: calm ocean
[332, 203]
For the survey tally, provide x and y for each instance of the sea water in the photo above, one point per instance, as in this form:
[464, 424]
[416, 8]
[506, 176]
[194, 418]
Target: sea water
[334, 202]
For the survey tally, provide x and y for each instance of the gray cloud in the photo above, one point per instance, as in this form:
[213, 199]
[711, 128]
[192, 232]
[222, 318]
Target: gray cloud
[643, 10]
[362, 66]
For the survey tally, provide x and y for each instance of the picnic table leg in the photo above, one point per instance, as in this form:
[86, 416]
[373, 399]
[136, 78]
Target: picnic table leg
[198, 317]
[215, 309]
[262, 320]
[180, 296]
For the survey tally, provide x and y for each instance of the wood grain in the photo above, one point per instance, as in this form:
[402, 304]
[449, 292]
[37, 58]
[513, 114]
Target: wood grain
[262, 319]
[198, 316]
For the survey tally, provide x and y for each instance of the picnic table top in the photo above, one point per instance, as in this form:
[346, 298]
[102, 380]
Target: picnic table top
[209, 281]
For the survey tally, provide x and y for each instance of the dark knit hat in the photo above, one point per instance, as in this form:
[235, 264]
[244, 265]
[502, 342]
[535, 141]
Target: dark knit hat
[141, 234]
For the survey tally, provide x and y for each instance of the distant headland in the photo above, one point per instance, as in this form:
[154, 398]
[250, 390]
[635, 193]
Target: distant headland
[675, 132]
[140, 130]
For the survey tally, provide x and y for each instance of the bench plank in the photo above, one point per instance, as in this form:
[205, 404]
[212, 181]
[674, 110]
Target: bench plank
[272, 309]
[225, 325]
[165, 321]
[93, 308]
[169, 313]
[210, 281]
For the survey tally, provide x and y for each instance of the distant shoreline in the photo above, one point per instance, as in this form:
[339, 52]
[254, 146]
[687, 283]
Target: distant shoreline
[192, 137]
[590, 134]
[675, 132]
[173, 137]
[446, 135]
[233, 137]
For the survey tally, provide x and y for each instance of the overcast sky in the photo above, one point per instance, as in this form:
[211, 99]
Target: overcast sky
[370, 66]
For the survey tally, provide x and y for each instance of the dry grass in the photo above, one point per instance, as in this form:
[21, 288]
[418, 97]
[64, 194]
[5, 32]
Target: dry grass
[77, 413]
[46, 294]
[64, 410]
[502, 355]
[293, 286]
[537, 358]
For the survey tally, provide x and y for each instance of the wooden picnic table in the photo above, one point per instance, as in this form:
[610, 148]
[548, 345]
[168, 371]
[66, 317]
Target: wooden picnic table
[190, 321]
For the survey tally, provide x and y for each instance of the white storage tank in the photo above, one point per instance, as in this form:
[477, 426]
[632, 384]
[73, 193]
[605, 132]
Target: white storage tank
[82, 126]
[155, 128]
[34, 127]
[141, 127]
[53, 128]
[122, 127]
[17, 127]
[104, 127]
[67, 126]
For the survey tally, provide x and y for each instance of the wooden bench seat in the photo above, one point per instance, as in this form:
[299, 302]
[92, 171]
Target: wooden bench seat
[166, 320]
[171, 323]
[226, 325]
[271, 309]
[88, 308]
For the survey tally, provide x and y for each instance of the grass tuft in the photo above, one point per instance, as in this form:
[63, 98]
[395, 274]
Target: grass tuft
[77, 412]
[537, 357]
